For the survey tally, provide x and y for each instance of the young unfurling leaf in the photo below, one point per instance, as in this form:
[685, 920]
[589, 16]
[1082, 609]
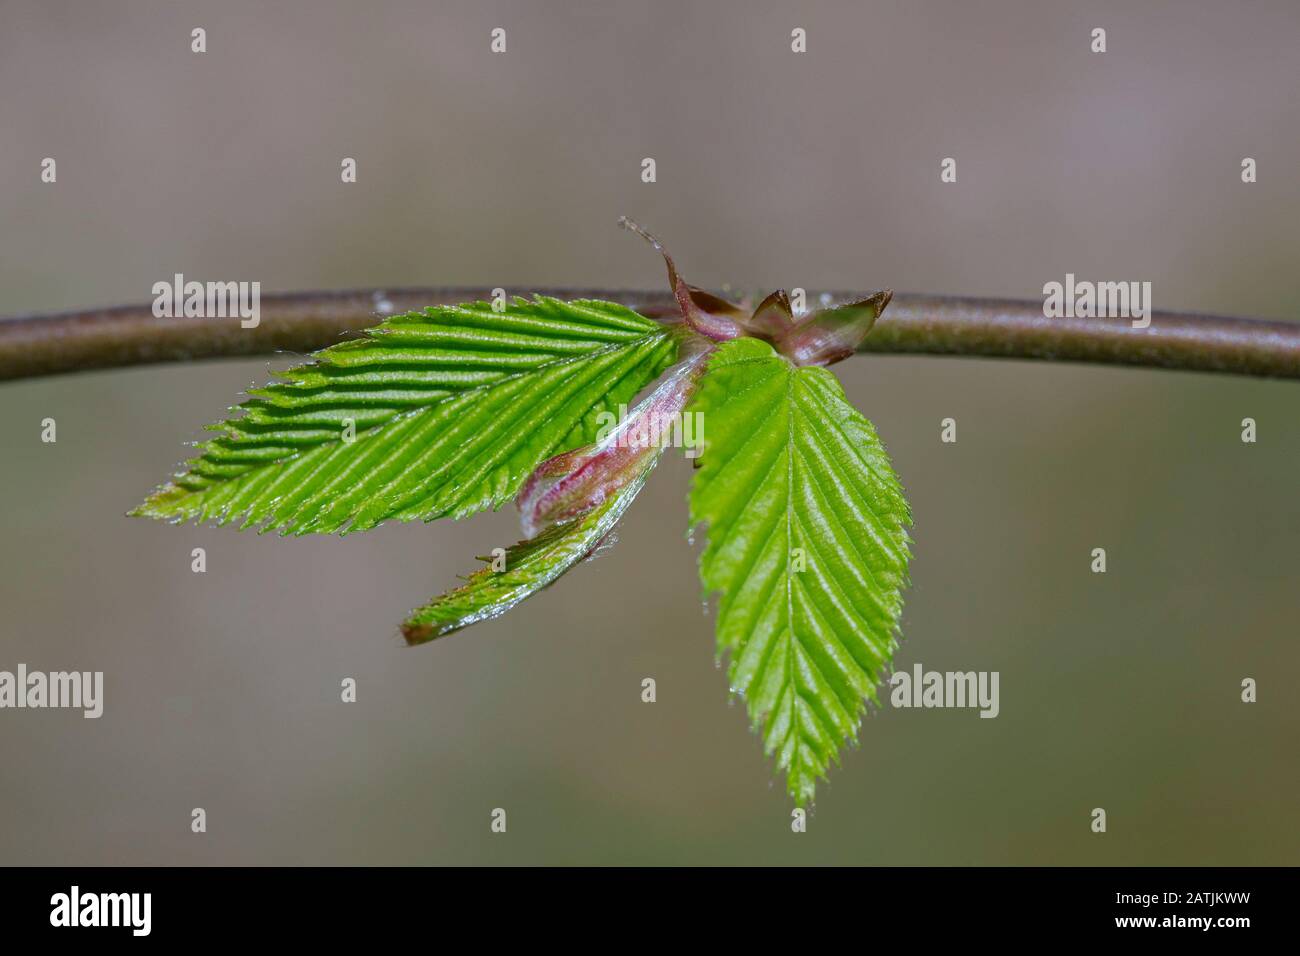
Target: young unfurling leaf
[807, 550]
[529, 566]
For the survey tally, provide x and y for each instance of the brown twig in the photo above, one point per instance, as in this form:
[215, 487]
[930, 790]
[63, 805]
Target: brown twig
[917, 324]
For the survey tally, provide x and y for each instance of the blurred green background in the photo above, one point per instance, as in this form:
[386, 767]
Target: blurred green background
[774, 169]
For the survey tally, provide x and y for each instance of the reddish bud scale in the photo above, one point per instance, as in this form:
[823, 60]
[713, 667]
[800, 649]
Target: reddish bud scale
[819, 338]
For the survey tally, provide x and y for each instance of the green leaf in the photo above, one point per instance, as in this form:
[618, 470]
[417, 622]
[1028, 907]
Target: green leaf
[452, 408]
[808, 549]
[530, 566]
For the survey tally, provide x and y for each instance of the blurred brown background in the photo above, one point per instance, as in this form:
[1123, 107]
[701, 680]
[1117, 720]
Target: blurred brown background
[774, 169]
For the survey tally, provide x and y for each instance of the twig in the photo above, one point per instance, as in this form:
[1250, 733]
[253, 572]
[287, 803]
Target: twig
[919, 324]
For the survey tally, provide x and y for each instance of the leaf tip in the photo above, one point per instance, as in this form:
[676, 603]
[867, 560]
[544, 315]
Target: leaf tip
[161, 504]
[417, 633]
